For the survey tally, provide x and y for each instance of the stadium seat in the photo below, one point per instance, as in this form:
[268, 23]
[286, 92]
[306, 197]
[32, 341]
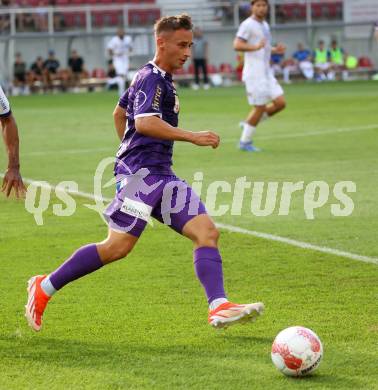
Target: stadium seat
[365, 62]
[316, 10]
[99, 73]
[141, 17]
[226, 68]
[211, 69]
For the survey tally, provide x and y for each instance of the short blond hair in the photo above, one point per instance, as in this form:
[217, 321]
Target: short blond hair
[173, 23]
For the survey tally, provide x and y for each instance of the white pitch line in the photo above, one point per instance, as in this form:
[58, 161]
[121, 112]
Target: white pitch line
[236, 229]
[69, 151]
[227, 140]
[312, 133]
[299, 244]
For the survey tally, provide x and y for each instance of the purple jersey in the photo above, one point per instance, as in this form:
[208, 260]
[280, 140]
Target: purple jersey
[152, 92]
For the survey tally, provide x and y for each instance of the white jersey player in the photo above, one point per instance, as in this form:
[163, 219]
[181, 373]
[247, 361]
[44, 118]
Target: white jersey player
[119, 48]
[263, 91]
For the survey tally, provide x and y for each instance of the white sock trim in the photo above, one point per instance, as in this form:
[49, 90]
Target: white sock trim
[248, 132]
[216, 302]
[47, 287]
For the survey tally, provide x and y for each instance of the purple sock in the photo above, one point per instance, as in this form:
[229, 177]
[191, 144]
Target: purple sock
[208, 266]
[84, 261]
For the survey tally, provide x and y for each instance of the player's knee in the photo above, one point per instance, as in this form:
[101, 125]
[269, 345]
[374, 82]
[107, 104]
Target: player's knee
[208, 237]
[113, 251]
[280, 105]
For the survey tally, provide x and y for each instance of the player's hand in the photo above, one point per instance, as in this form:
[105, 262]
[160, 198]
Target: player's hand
[261, 44]
[206, 138]
[13, 179]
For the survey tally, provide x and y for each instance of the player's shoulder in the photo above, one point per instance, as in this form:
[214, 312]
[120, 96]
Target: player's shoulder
[113, 39]
[247, 23]
[151, 72]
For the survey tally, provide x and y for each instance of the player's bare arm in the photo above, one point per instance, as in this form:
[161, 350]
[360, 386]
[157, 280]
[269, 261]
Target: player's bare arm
[153, 126]
[241, 45]
[12, 178]
[120, 120]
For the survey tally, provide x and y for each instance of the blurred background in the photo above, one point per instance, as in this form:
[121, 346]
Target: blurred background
[34, 31]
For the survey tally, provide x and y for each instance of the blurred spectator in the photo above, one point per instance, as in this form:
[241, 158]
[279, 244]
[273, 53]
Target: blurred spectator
[77, 71]
[59, 21]
[282, 66]
[111, 73]
[303, 59]
[20, 85]
[375, 77]
[244, 11]
[52, 73]
[200, 55]
[321, 62]
[4, 18]
[24, 21]
[224, 12]
[337, 58]
[40, 17]
[114, 81]
[240, 65]
[119, 49]
[35, 77]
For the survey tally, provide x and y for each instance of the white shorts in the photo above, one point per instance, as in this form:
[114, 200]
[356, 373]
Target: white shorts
[262, 91]
[121, 66]
[323, 66]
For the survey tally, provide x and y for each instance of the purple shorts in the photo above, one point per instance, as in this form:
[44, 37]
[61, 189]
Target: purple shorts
[168, 199]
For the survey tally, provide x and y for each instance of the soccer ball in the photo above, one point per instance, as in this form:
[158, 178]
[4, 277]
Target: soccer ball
[297, 351]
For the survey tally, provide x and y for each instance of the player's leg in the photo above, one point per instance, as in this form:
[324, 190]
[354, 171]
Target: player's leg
[196, 74]
[206, 84]
[189, 218]
[125, 228]
[258, 97]
[120, 68]
[277, 105]
[208, 267]
[278, 102]
[307, 69]
[249, 128]
[84, 261]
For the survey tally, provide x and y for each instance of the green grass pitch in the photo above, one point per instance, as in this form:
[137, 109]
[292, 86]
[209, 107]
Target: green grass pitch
[142, 323]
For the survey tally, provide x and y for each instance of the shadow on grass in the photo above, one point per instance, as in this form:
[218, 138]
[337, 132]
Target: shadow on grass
[144, 359]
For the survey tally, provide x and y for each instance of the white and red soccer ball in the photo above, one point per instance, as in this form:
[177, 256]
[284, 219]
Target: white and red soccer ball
[297, 351]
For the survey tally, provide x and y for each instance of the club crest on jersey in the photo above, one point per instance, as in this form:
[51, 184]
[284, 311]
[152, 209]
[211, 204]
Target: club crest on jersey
[140, 99]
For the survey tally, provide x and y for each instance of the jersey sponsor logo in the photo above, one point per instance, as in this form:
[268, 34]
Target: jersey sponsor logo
[136, 209]
[140, 100]
[156, 101]
[176, 109]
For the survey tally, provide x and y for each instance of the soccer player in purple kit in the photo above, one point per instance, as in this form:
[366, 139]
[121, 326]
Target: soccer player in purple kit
[147, 186]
